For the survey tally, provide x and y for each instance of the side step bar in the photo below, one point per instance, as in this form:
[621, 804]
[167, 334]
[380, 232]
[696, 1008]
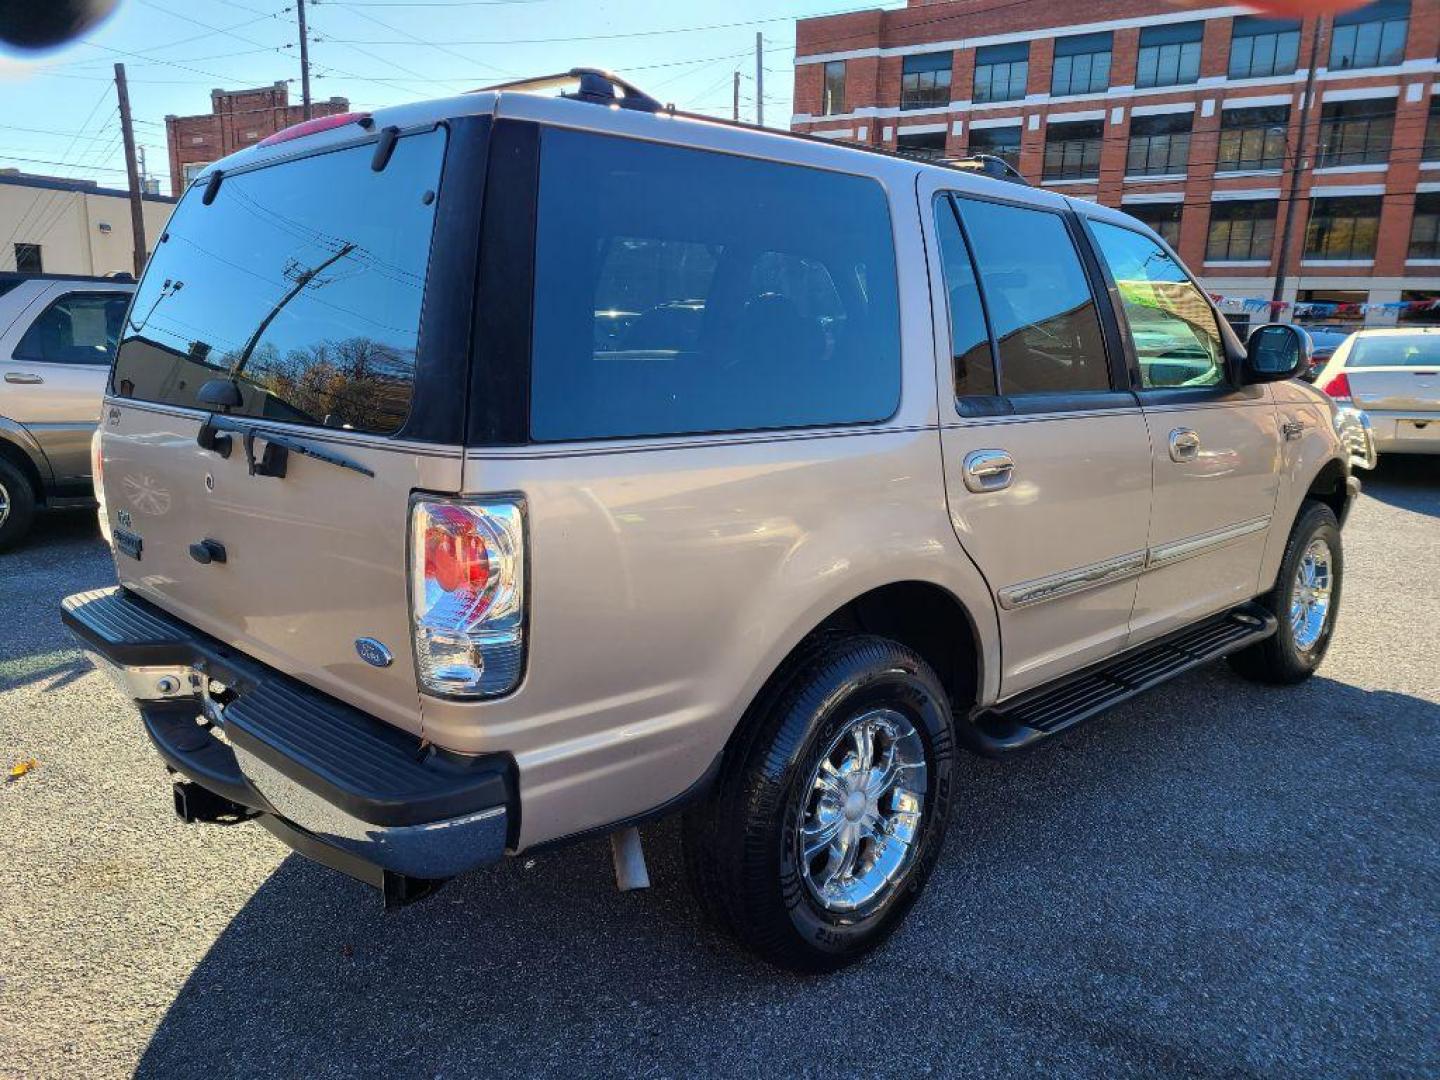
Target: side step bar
[1037, 714]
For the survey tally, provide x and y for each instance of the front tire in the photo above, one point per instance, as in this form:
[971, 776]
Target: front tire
[17, 505]
[831, 808]
[1306, 600]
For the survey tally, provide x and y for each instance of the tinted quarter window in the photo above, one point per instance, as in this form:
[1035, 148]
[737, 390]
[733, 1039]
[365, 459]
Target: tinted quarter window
[969, 340]
[1039, 300]
[302, 281]
[1172, 325]
[682, 291]
[82, 328]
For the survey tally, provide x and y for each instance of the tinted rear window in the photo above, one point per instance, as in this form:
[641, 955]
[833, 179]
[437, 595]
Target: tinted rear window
[1395, 350]
[681, 291]
[302, 282]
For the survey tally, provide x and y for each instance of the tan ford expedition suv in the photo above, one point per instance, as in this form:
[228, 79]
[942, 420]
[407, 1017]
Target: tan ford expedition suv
[492, 472]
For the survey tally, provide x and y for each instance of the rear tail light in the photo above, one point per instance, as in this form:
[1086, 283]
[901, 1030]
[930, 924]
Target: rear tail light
[97, 464]
[1338, 387]
[467, 596]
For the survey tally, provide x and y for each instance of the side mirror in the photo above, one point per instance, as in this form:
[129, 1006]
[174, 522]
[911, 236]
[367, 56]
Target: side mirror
[1276, 351]
[219, 394]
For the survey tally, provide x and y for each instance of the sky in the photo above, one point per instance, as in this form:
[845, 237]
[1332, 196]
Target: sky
[59, 115]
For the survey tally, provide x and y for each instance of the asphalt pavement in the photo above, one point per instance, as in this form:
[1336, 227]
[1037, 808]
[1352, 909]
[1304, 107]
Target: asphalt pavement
[1218, 879]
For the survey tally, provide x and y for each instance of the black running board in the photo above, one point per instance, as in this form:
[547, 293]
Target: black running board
[1048, 710]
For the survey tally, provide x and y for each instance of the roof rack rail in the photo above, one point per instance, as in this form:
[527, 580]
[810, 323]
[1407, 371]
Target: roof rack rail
[123, 277]
[597, 86]
[988, 165]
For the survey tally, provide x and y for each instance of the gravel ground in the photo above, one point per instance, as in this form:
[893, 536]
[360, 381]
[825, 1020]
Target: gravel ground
[1217, 879]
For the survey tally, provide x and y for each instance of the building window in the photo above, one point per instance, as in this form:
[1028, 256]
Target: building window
[1072, 150]
[27, 259]
[1082, 64]
[1421, 307]
[1002, 142]
[1343, 227]
[1001, 71]
[1373, 36]
[1159, 145]
[1241, 231]
[1163, 217]
[1425, 228]
[925, 81]
[1260, 48]
[1169, 55]
[1252, 139]
[1356, 132]
[833, 98]
[1431, 149]
[191, 169]
[925, 144]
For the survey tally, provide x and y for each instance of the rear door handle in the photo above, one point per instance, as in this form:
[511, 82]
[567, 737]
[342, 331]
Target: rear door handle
[1184, 445]
[22, 377]
[988, 470]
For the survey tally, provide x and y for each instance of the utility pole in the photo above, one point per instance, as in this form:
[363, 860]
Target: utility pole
[1282, 268]
[759, 79]
[304, 59]
[735, 108]
[137, 205]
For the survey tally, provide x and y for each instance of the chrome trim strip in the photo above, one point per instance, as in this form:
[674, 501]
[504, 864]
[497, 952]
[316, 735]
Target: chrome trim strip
[1176, 550]
[1040, 590]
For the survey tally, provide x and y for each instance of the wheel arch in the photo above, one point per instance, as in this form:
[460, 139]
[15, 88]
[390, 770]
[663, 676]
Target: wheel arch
[19, 450]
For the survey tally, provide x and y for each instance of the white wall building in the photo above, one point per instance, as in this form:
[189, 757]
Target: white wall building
[60, 226]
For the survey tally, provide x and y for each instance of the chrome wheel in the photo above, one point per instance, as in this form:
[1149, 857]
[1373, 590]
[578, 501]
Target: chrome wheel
[4, 503]
[862, 810]
[1310, 598]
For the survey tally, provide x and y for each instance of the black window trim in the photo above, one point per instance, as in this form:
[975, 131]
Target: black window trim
[99, 293]
[1118, 396]
[1230, 390]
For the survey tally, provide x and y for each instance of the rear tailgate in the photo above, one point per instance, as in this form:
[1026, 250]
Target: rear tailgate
[299, 287]
[1408, 390]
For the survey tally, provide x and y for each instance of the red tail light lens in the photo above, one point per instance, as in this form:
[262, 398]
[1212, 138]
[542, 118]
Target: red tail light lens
[1338, 387]
[310, 127]
[467, 596]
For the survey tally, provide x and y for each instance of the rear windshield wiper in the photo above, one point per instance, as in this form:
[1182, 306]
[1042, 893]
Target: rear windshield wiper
[274, 461]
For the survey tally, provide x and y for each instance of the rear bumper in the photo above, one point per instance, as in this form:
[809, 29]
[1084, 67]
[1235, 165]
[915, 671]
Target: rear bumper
[1403, 433]
[332, 782]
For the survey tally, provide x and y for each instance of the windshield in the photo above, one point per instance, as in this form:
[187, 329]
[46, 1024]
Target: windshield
[1395, 350]
[301, 283]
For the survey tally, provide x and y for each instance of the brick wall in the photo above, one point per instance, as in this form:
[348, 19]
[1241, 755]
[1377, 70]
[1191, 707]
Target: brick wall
[237, 119]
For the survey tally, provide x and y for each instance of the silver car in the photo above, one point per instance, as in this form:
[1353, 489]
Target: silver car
[1394, 376]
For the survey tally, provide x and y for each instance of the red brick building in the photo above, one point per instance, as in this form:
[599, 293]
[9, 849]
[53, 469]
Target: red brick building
[1188, 116]
[237, 119]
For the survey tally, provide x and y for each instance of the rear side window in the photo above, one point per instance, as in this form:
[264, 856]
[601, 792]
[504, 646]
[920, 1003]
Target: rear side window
[682, 291]
[1173, 327]
[302, 282]
[1041, 308]
[82, 328]
[969, 339]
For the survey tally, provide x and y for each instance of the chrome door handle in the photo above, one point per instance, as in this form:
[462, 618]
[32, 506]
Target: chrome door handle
[988, 470]
[22, 377]
[1184, 445]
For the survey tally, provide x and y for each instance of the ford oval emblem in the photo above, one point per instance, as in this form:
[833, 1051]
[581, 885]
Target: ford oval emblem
[374, 652]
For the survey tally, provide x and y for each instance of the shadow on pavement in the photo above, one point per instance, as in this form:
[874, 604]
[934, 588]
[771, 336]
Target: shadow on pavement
[1408, 481]
[1199, 882]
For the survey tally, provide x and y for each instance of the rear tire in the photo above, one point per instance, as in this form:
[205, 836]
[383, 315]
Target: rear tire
[848, 756]
[17, 505]
[1306, 600]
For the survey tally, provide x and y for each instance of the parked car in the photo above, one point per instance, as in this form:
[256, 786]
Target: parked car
[1324, 341]
[443, 574]
[57, 340]
[1394, 376]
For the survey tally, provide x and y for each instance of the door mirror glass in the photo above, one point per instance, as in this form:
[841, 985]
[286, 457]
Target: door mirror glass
[1276, 351]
